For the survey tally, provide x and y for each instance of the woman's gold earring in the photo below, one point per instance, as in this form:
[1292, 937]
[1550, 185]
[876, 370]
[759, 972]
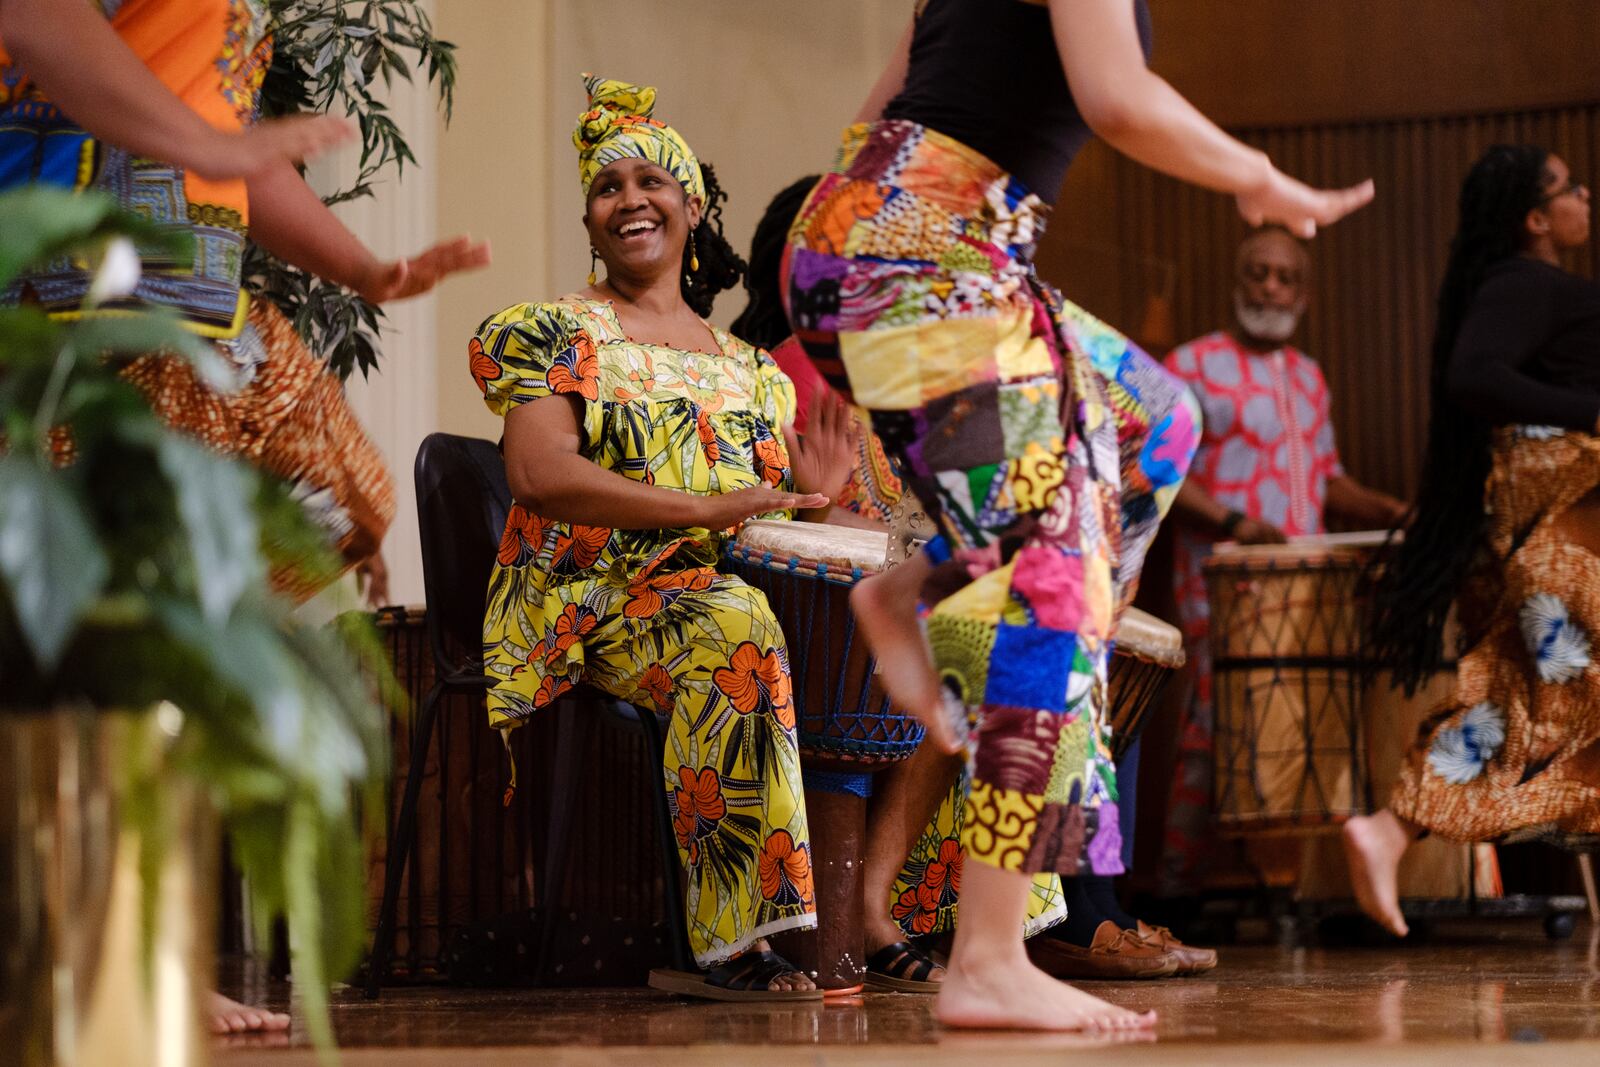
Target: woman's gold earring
[694, 260]
[593, 255]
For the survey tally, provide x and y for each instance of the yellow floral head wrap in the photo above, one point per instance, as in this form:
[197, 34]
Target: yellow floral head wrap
[618, 126]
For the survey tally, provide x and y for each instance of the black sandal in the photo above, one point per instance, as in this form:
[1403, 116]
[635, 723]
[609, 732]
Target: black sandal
[901, 968]
[746, 977]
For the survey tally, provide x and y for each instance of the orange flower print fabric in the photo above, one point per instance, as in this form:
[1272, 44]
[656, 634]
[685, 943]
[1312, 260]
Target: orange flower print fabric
[786, 870]
[925, 897]
[703, 422]
[711, 657]
[700, 808]
[644, 615]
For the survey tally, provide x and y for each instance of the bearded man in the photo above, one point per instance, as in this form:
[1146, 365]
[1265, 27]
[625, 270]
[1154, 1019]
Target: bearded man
[1266, 469]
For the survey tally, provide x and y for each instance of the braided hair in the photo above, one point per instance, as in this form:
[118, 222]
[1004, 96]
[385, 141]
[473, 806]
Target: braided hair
[1421, 579]
[763, 322]
[720, 266]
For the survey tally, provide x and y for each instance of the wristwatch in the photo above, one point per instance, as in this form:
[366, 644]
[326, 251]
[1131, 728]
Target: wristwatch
[1231, 521]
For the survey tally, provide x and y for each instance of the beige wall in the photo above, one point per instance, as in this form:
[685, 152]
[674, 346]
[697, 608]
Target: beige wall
[759, 88]
[398, 404]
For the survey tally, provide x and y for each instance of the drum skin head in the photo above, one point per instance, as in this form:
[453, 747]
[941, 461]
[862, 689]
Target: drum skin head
[842, 548]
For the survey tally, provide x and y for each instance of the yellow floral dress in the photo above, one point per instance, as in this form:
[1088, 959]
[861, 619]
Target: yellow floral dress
[644, 615]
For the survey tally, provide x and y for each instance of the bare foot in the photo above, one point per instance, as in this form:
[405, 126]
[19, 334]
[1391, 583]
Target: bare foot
[885, 605]
[1013, 994]
[230, 1017]
[1373, 845]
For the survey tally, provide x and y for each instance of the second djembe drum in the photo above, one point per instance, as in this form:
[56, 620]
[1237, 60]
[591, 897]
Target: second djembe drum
[1285, 642]
[1147, 653]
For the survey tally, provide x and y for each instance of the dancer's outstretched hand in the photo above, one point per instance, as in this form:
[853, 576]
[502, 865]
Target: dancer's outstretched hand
[1298, 207]
[417, 274]
[266, 144]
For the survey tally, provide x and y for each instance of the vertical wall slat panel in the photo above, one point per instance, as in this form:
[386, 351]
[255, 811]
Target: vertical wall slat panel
[1376, 276]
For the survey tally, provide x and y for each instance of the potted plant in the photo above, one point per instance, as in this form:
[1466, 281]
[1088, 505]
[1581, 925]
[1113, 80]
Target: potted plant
[148, 677]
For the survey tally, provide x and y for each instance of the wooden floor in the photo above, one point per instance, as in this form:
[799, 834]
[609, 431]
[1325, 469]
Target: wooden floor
[1473, 994]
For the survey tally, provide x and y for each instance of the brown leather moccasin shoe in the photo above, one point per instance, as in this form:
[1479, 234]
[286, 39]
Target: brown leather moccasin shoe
[1191, 960]
[1114, 955]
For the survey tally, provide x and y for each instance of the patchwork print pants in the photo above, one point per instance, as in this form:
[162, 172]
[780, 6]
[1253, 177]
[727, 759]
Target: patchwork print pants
[1046, 445]
[1516, 752]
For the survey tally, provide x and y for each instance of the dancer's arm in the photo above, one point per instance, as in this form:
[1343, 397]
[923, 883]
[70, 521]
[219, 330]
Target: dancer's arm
[71, 52]
[891, 81]
[289, 220]
[1139, 114]
[549, 477]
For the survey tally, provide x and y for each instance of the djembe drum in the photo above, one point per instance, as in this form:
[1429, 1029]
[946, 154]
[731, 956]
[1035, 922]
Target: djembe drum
[1147, 653]
[847, 728]
[1286, 648]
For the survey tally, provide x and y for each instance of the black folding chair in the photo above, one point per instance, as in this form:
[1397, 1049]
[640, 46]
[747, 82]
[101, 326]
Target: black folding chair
[462, 503]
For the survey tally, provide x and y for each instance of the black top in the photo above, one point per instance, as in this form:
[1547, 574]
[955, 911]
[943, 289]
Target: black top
[987, 73]
[1529, 348]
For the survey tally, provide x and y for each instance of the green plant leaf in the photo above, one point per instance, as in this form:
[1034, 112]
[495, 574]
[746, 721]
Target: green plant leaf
[41, 222]
[325, 57]
[31, 337]
[49, 555]
[216, 501]
[248, 653]
[37, 220]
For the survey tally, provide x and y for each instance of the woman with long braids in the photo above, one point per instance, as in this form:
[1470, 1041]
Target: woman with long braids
[637, 436]
[1047, 445]
[1507, 528]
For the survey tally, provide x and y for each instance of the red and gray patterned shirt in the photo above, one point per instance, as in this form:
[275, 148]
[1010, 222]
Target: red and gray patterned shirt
[1266, 450]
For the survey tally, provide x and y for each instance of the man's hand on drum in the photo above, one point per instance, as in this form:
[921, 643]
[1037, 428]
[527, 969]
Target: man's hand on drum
[822, 458]
[1255, 532]
[724, 511]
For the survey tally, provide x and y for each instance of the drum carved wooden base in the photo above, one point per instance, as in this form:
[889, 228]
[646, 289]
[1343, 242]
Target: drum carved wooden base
[834, 954]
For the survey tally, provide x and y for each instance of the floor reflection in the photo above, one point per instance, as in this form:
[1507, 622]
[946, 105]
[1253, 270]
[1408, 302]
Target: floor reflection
[1487, 986]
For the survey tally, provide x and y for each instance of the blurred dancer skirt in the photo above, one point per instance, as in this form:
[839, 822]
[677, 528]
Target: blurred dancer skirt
[291, 419]
[1516, 753]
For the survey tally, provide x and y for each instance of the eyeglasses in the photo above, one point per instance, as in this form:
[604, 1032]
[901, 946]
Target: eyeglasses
[1287, 277]
[1575, 188]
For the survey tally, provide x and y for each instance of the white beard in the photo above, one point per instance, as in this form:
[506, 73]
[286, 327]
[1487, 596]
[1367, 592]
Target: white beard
[1265, 324]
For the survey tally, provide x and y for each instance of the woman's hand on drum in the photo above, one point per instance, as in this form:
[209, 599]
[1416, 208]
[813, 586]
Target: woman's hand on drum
[822, 458]
[1298, 207]
[724, 511]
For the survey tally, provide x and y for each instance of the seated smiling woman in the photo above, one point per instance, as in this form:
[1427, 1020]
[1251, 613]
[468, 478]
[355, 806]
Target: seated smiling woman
[637, 436]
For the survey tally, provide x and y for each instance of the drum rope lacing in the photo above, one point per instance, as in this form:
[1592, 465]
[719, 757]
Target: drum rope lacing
[836, 731]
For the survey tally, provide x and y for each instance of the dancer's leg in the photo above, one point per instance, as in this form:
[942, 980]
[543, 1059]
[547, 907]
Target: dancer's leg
[1374, 845]
[991, 983]
[885, 606]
